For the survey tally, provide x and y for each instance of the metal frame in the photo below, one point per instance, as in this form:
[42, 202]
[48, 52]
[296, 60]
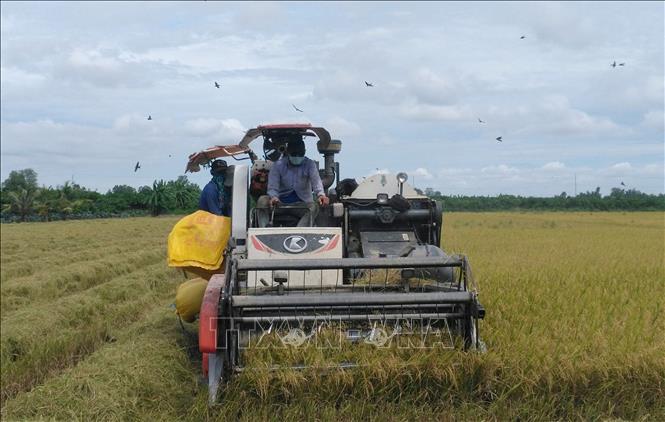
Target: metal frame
[286, 208]
[457, 303]
[346, 263]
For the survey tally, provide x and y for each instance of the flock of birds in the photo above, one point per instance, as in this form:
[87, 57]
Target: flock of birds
[614, 64]
[217, 85]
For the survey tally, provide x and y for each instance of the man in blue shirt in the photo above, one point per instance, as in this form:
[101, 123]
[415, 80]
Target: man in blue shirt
[213, 197]
[291, 181]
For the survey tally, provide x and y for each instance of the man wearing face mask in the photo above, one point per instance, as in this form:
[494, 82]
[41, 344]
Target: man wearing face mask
[213, 197]
[291, 181]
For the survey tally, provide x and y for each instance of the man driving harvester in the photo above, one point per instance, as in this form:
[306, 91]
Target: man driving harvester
[291, 181]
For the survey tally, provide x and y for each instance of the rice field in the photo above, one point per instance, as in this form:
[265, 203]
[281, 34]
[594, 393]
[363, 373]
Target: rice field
[575, 329]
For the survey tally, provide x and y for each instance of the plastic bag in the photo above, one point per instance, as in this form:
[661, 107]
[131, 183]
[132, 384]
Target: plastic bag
[199, 240]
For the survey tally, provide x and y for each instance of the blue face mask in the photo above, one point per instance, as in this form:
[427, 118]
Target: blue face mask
[296, 161]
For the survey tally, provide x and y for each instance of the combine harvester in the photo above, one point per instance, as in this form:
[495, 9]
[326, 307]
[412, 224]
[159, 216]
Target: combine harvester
[371, 266]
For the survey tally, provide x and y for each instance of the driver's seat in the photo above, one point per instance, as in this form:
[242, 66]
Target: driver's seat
[284, 219]
[280, 217]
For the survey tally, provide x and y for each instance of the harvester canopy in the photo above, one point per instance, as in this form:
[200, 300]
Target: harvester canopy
[200, 158]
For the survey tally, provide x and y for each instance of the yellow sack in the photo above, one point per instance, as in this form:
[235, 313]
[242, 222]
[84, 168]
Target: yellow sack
[199, 240]
[188, 298]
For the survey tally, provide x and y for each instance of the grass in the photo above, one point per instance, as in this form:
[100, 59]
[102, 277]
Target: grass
[575, 329]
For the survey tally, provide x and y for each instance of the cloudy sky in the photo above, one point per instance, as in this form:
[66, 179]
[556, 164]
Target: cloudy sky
[79, 79]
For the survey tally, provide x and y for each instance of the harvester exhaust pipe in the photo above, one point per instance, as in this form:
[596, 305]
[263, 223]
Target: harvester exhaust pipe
[330, 168]
[402, 178]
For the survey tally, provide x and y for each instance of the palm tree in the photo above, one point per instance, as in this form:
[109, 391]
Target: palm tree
[182, 195]
[66, 209]
[159, 198]
[44, 208]
[22, 202]
[67, 190]
[82, 205]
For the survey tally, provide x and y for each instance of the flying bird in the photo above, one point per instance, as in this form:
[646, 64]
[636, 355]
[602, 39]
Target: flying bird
[499, 139]
[622, 64]
[297, 109]
[136, 167]
[614, 64]
[216, 85]
[368, 84]
[522, 37]
[623, 184]
[480, 121]
[149, 117]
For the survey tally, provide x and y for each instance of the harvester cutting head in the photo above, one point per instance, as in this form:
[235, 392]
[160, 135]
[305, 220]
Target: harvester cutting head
[371, 272]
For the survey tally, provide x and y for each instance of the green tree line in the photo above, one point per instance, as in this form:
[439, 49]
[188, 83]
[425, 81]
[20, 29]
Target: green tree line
[23, 200]
[618, 200]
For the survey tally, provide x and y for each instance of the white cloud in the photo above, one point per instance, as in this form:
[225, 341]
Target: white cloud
[379, 171]
[655, 119]
[7, 23]
[501, 169]
[627, 169]
[557, 117]
[432, 88]
[512, 180]
[103, 67]
[100, 157]
[346, 86]
[46, 138]
[618, 169]
[300, 96]
[453, 171]
[93, 60]
[621, 166]
[18, 78]
[646, 178]
[133, 123]
[649, 90]
[224, 130]
[377, 33]
[421, 173]
[449, 113]
[202, 126]
[340, 127]
[227, 53]
[557, 24]
[653, 170]
[423, 95]
[554, 166]
[552, 96]
[252, 12]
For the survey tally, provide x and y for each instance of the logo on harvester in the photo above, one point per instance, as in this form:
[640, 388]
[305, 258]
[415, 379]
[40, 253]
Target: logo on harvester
[295, 243]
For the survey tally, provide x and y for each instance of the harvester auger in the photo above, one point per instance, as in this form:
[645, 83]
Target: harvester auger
[372, 266]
